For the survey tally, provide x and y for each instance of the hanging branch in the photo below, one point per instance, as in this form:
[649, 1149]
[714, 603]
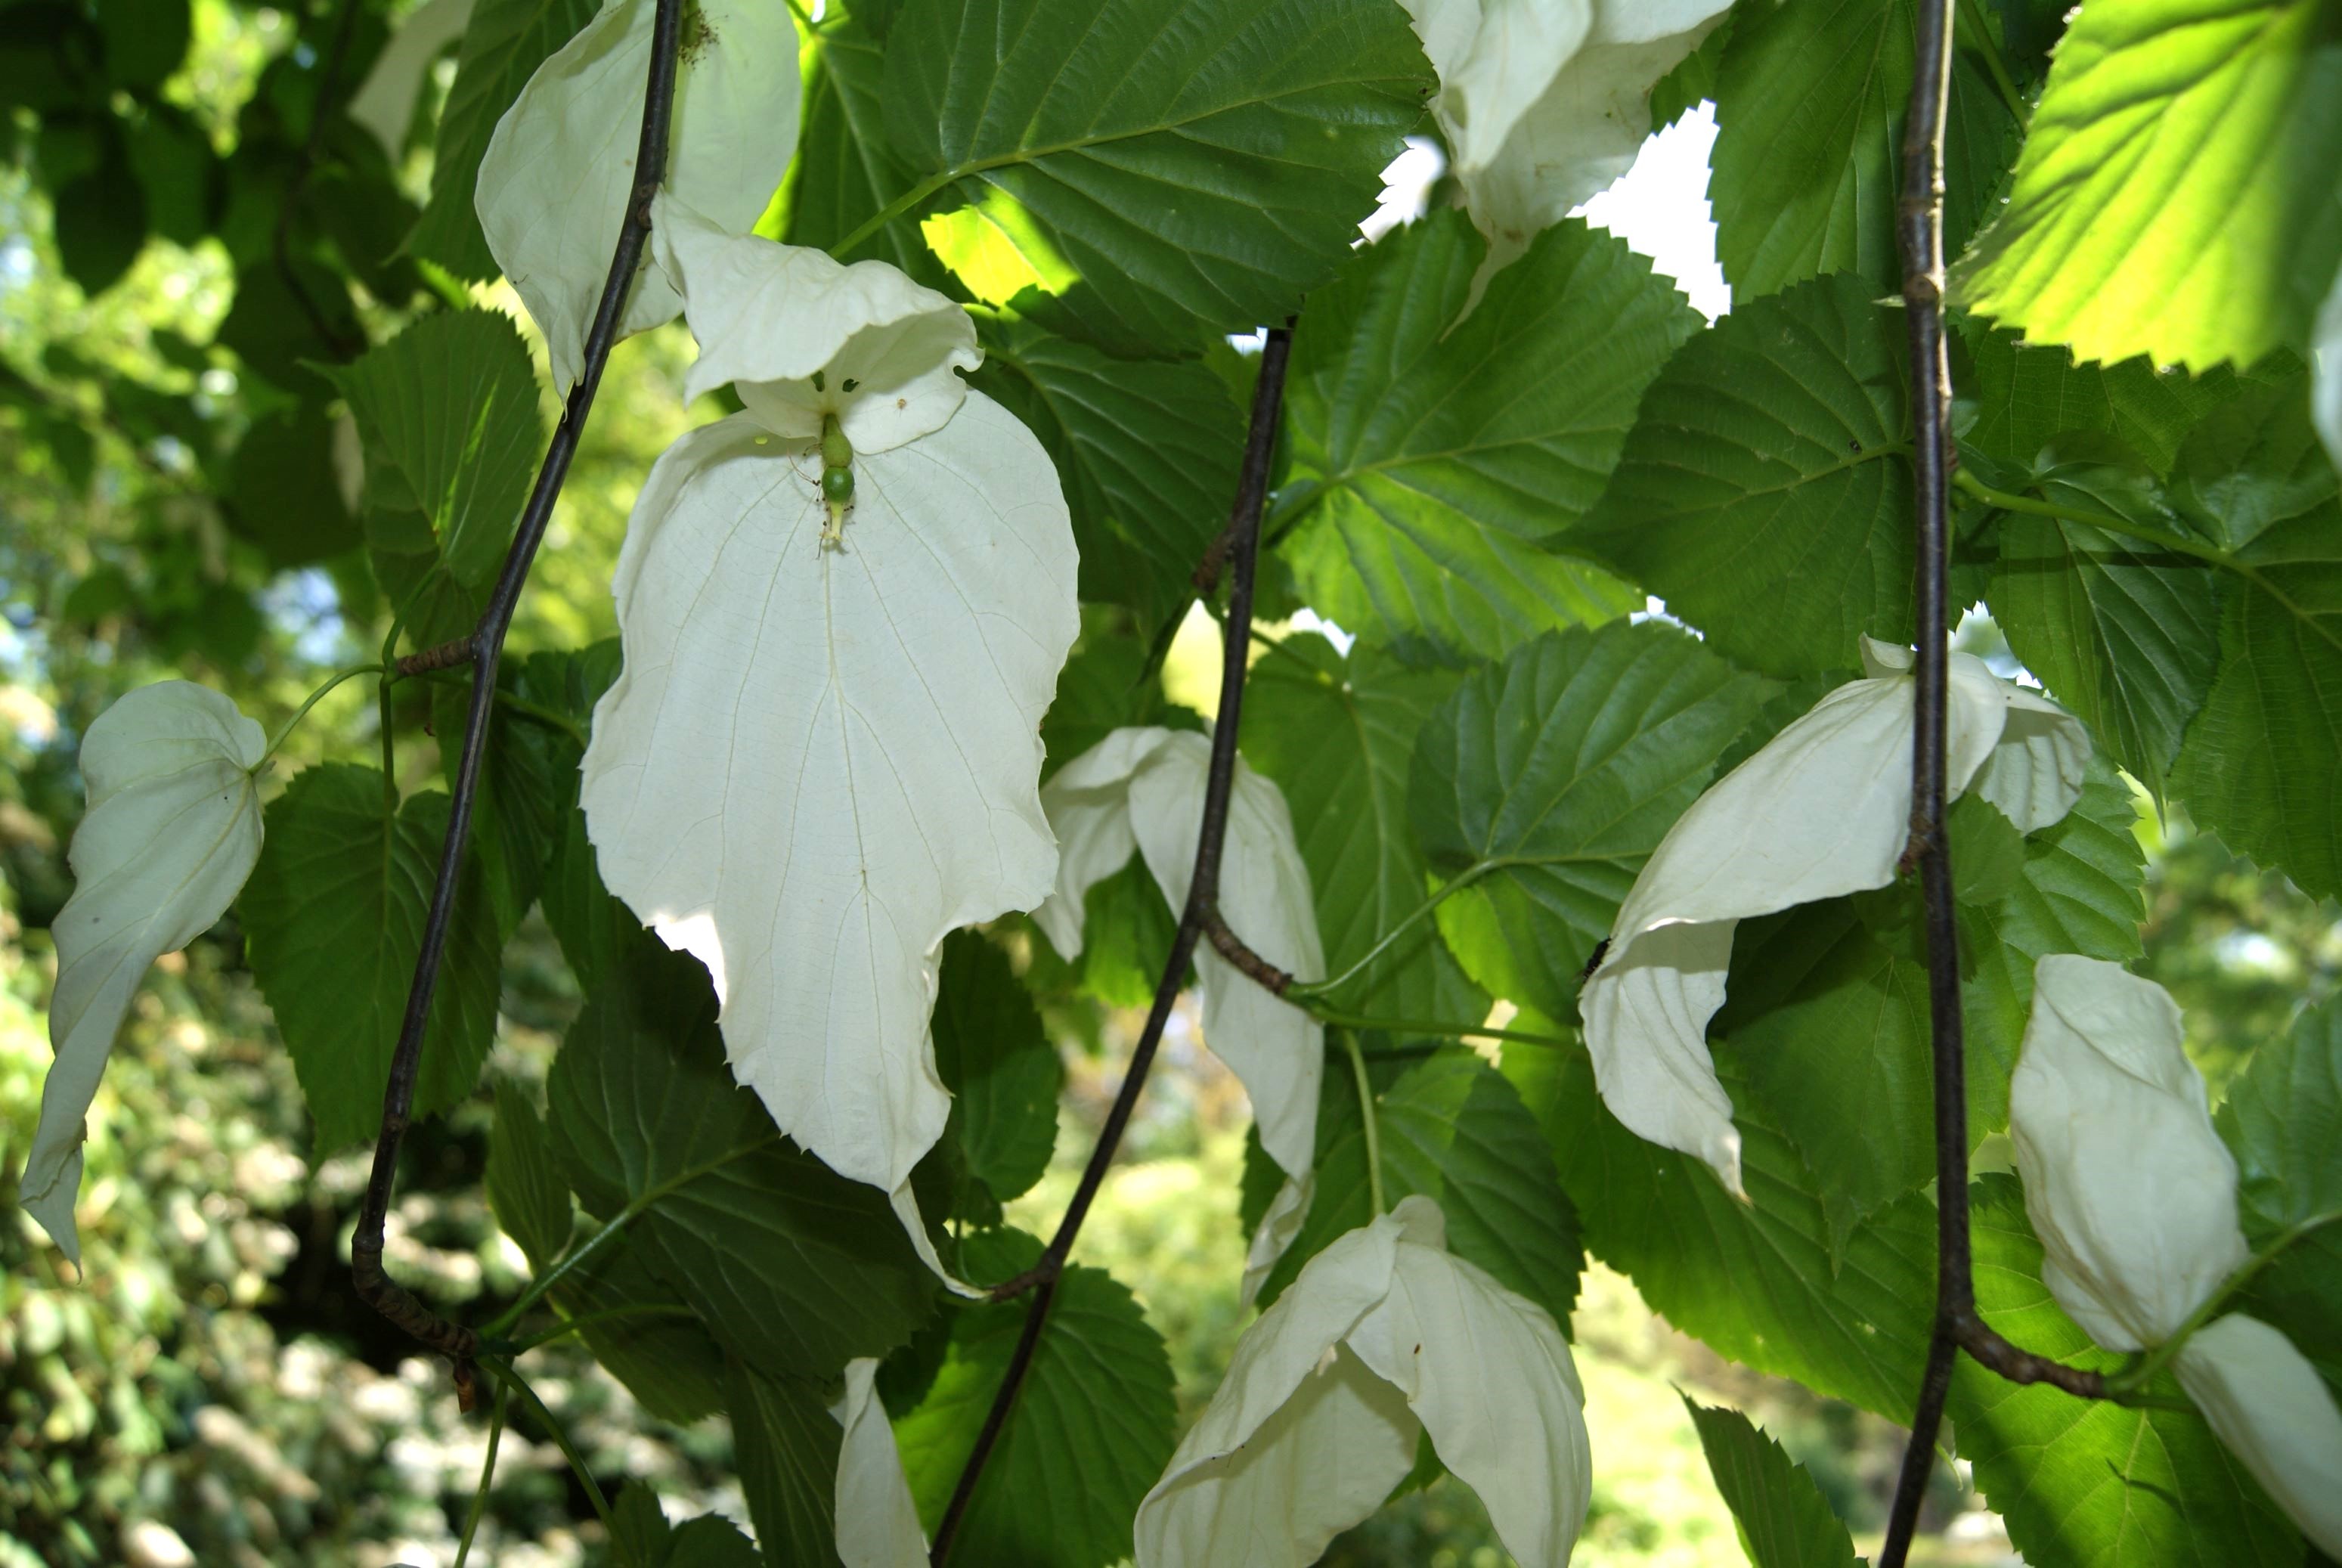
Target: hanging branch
[1920, 220]
[376, 1288]
[1239, 545]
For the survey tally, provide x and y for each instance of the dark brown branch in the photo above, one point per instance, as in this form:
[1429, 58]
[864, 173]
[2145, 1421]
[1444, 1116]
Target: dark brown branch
[1203, 894]
[1920, 221]
[486, 646]
[1233, 948]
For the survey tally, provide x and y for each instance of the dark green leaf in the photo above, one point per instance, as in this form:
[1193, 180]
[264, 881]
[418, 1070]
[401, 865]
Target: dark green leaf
[100, 226]
[178, 171]
[1550, 778]
[1337, 735]
[1452, 1129]
[2176, 196]
[529, 778]
[448, 412]
[712, 1541]
[283, 492]
[999, 1065]
[1109, 681]
[1147, 451]
[1093, 1427]
[2088, 1483]
[503, 47]
[1765, 489]
[524, 1188]
[665, 1358]
[640, 1536]
[333, 918]
[2283, 1121]
[595, 929]
[144, 40]
[2020, 397]
[793, 1268]
[1809, 105]
[289, 318]
[785, 1445]
[1442, 450]
[1785, 1521]
[1176, 164]
[845, 170]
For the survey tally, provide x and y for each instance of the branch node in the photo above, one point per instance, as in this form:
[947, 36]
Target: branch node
[447, 655]
[1233, 948]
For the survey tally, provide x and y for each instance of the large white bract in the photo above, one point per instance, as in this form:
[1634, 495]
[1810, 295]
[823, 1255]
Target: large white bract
[559, 172]
[1384, 1335]
[819, 761]
[2134, 1197]
[1823, 810]
[172, 831]
[1545, 103]
[1143, 790]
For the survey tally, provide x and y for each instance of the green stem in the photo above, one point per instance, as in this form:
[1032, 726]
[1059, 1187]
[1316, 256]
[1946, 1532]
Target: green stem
[314, 698]
[1454, 885]
[2138, 1375]
[504, 1375]
[594, 1320]
[551, 718]
[1443, 1030]
[893, 210]
[2009, 501]
[1366, 1110]
[487, 1474]
[389, 671]
[1977, 29]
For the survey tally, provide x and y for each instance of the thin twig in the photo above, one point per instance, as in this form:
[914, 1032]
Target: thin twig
[1203, 894]
[1919, 217]
[376, 1288]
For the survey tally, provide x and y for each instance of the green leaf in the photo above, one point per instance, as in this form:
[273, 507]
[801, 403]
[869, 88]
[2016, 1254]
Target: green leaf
[845, 170]
[2283, 1121]
[640, 1536]
[1766, 488]
[2088, 1483]
[1147, 451]
[595, 930]
[332, 920]
[785, 1442]
[503, 47]
[1809, 106]
[1784, 1520]
[794, 1268]
[1337, 735]
[2176, 196]
[283, 494]
[1551, 777]
[712, 1541]
[1109, 681]
[99, 223]
[524, 1188]
[448, 412]
[2018, 397]
[1755, 1281]
[1437, 451]
[667, 1360]
[1092, 1426]
[1452, 1129]
[999, 1065]
[1178, 165]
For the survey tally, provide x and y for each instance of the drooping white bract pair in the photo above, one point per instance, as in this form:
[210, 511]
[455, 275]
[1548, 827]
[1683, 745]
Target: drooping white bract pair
[1545, 102]
[819, 761]
[1384, 1335]
[172, 831]
[555, 180]
[2134, 1197]
[1143, 789]
[1824, 809]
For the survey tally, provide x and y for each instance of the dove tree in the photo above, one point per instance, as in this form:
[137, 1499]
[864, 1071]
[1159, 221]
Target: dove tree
[1538, 925]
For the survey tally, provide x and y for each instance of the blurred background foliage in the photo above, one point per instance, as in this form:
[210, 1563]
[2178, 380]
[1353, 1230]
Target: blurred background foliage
[178, 245]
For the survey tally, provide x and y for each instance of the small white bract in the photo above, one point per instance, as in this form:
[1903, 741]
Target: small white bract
[555, 180]
[2325, 363]
[1384, 1335]
[1824, 809]
[2134, 1198]
[1143, 790]
[877, 1522]
[172, 831]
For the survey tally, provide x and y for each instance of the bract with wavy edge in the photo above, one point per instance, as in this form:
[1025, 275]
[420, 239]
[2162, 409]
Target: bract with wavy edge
[819, 761]
[878, 1521]
[1384, 1335]
[1824, 809]
[2134, 1197]
[1143, 789]
[172, 831]
[1545, 102]
[555, 180]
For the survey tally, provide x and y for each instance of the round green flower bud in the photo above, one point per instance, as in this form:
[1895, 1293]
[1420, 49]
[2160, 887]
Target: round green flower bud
[838, 484]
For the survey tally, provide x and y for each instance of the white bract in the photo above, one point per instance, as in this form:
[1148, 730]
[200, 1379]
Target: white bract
[2325, 381]
[2134, 1198]
[877, 1522]
[1143, 789]
[384, 102]
[559, 171]
[172, 831]
[819, 761]
[1824, 809]
[1383, 1336]
[1545, 103]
